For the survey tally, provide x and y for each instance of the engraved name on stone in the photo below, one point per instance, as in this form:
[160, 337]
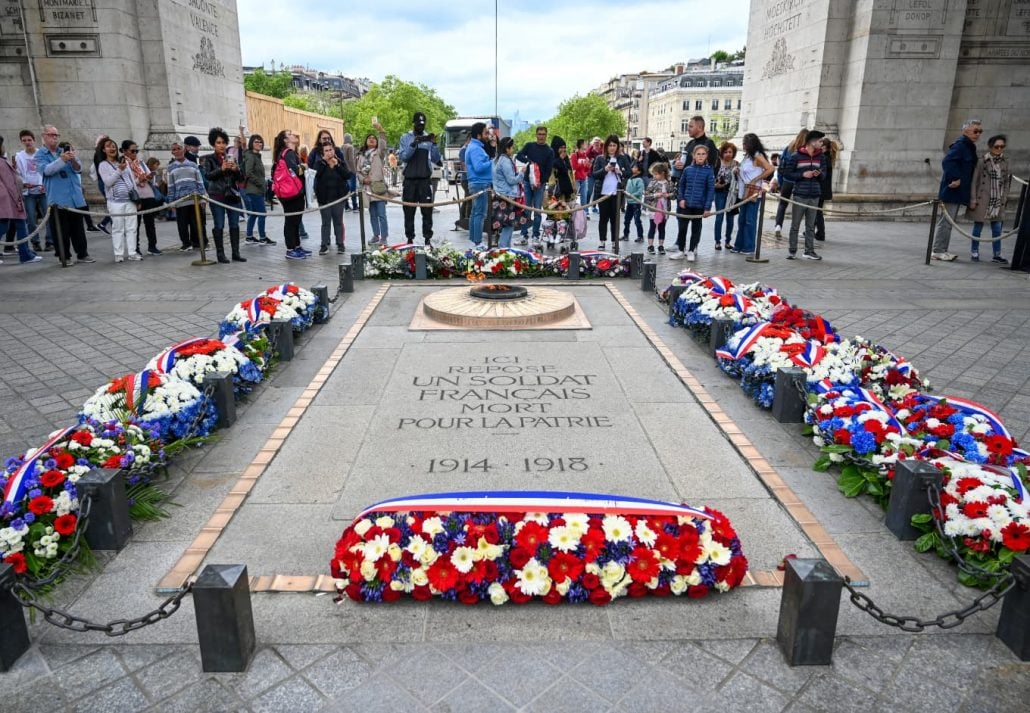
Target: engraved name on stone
[781, 17]
[68, 13]
[204, 16]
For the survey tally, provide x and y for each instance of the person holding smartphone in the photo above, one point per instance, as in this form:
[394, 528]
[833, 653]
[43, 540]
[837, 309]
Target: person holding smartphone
[806, 168]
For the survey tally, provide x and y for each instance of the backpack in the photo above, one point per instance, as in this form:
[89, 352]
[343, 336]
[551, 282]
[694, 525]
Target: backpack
[285, 183]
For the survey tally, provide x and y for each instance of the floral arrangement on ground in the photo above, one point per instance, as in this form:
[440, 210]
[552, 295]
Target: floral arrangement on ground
[446, 261]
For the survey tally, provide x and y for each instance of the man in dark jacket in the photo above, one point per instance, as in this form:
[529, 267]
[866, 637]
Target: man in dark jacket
[805, 168]
[540, 153]
[956, 185]
[419, 155]
[648, 157]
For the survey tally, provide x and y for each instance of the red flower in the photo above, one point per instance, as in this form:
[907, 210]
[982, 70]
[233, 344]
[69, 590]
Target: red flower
[564, 565]
[519, 557]
[64, 460]
[667, 546]
[482, 571]
[591, 581]
[442, 575]
[697, 592]
[726, 301]
[531, 536]
[552, 597]
[390, 595]
[41, 505]
[17, 561]
[114, 461]
[842, 436]
[467, 596]
[604, 264]
[964, 485]
[999, 445]
[421, 594]
[644, 565]
[690, 548]
[83, 438]
[599, 597]
[65, 524]
[1016, 536]
[51, 478]
[593, 544]
[975, 508]
[353, 591]
[385, 568]
[637, 590]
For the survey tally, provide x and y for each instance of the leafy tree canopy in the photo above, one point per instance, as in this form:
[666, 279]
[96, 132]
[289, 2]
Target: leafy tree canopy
[394, 101]
[276, 84]
[580, 117]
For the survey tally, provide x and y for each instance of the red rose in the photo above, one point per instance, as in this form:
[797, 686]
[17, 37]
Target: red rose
[591, 581]
[422, 594]
[353, 591]
[467, 596]
[41, 505]
[552, 597]
[390, 595]
[662, 591]
[519, 557]
[114, 461]
[637, 590]
[51, 478]
[17, 561]
[83, 438]
[599, 597]
[65, 524]
[698, 592]
[518, 597]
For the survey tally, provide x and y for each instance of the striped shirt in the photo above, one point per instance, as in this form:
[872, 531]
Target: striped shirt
[116, 183]
[184, 179]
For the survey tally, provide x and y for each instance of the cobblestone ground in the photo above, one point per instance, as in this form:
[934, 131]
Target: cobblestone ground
[63, 332]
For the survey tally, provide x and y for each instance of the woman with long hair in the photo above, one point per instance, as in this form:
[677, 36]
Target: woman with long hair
[753, 169]
[787, 186]
[506, 182]
[12, 207]
[991, 181]
[285, 149]
[371, 172]
[725, 192]
[118, 180]
[610, 172]
[147, 200]
[254, 190]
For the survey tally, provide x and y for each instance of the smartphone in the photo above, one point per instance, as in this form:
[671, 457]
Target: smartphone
[375, 120]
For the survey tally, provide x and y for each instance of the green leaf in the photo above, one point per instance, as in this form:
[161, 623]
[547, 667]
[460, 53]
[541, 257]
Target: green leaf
[1006, 556]
[851, 482]
[925, 542]
[944, 444]
[923, 518]
[822, 464]
[836, 448]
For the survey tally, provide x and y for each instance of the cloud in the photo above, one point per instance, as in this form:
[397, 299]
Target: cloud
[546, 51]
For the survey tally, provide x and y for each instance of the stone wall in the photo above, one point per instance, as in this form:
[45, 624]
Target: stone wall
[893, 80]
[150, 70]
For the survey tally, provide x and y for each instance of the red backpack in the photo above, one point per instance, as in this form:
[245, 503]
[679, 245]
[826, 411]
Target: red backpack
[285, 183]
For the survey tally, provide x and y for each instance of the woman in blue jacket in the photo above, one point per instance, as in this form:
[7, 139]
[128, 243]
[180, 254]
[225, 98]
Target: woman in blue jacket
[506, 180]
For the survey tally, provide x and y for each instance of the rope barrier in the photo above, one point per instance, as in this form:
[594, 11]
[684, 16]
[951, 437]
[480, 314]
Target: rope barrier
[672, 214]
[157, 209]
[552, 211]
[244, 211]
[834, 211]
[973, 237]
[1021, 180]
[39, 229]
[411, 204]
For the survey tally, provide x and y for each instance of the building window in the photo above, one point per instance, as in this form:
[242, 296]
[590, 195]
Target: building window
[715, 105]
[727, 105]
[716, 83]
[738, 105]
[686, 104]
[697, 105]
[683, 124]
[688, 83]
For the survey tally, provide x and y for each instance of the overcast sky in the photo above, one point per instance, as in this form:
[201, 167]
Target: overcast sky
[548, 49]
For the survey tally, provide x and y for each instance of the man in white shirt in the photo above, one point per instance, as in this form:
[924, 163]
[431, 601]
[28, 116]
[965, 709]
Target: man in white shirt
[32, 188]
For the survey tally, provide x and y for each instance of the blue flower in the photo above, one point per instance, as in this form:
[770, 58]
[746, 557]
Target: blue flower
[863, 442]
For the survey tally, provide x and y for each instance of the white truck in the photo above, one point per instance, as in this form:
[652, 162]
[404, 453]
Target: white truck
[454, 134]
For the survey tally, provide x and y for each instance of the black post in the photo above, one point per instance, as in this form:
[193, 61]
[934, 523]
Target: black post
[62, 252]
[361, 217]
[636, 265]
[789, 401]
[225, 620]
[1020, 205]
[109, 526]
[757, 256]
[357, 261]
[908, 496]
[14, 632]
[674, 293]
[721, 331]
[649, 277]
[282, 338]
[1021, 251]
[421, 271]
[808, 612]
[346, 277]
[574, 261]
[198, 219]
[1014, 622]
[321, 293]
[933, 229]
[223, 396]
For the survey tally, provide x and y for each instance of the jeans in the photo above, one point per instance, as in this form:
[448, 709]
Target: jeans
[505, 239]
[995, 232]
[218, 213]
[352, 188]
[377, 214]
[781, 206]
[20, 231]
[721, 199]
[590, 191]
[478, 215]
[747, 228]
[256, 204]
[35, 202]
[942, 233]
[582, 186]
[632, 215]
[534, 199]
[124, 227]
[332, 220]
[807, 211]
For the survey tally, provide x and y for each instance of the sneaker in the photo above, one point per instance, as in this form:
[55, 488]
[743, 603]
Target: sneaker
[944, 257]
[34, 258]
[295, 255]
[718, 246]
[134, 257]
[323, 250]
[186, 249]
[811, 255]
[95, 229]
[36, 246]
[119, 259]
[1000, 260]
[304, 250]
[103, 229]
[639, 240]
[661, 249]
[251, 240]
[975, 257]
[88, 259]
[625, 238]
[792, 256]
[601, 246]
[779, 232]
[676, 255]
[340, 250]
[650, 249]
[266, 241]
[522, 241]
[155, 251]
[691, 256]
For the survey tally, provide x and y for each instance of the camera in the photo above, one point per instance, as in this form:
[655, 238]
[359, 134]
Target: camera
[64, 146]
[612, 161]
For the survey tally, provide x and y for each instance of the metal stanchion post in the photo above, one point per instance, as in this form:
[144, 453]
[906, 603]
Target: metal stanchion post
[62, 253]
[200, 234]
[933, 229]
[757, 256]
[492, 238]
[361, 218]
[617, 233]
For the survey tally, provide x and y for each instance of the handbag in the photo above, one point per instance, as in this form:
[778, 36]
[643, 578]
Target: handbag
[751, 190]
[380, 188]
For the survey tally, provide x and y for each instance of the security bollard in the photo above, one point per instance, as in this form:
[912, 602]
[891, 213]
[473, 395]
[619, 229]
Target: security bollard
[346, 278]
[721, 331]
[282, 338]
[574, 261]
[225, 621]
[908, 496]
[789, 401]
[358, 261]
[223, 396]
[421, 273]
[14, 632]
[321, 293]
[808, 612]
[649, 277]
[109, 526]
[636, 265]
[674, 294]
[1014, 622]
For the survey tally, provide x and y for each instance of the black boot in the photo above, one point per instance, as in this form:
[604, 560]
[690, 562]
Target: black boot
[216, 235]
[234, 243]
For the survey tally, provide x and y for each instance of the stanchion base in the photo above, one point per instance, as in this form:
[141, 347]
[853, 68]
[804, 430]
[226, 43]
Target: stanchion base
[202, 263]
[756, 259]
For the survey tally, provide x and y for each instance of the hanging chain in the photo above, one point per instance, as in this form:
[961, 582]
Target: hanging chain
[71, 554]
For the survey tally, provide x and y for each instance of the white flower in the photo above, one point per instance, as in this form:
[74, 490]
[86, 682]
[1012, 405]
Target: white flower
[368, 570]
[563, 538]
[376, 547]
[486, 551]
[645, 534]
[718, 553]
[463, 558]
[533, 579]
[419, 578]
[497, 594]
[616, 528]
[577, 522]
[432, 526]
[362, 526]
[611, 574]
[385, 521]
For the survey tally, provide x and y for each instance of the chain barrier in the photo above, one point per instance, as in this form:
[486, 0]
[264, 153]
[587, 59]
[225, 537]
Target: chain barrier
[1003, 584]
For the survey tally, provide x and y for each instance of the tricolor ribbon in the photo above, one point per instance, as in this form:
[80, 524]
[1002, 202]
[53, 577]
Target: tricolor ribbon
[517, 501]
[164, 361]
[871, 398]
[279, 291]
[136, 388]
[720, 285]
[15, 489]
[686, 277]
[742, 303]
[810, 355]
[971, 407]
[748, 337]
[401, 247]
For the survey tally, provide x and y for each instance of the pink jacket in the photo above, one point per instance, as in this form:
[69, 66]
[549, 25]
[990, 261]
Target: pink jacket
[11, 205]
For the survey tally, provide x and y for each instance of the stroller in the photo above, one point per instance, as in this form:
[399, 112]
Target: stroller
[557, 228]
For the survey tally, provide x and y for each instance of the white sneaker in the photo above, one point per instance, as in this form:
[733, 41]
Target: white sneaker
[691, 256]
[779, 231]
[676, 255]
[134, 257]
[119, 259]
[944, 257]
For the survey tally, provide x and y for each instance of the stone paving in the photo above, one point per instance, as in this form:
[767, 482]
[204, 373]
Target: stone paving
[65, 331]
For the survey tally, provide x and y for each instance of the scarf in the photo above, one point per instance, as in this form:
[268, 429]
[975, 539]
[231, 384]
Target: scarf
[994, 169]
[138, 171]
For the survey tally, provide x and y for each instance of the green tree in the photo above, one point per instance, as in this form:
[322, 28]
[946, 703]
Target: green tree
[277, 84]
[579, 118]
[720, 56]
[394, 101]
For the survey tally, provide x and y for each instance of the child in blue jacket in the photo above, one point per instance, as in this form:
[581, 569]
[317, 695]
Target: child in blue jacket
[695, 194]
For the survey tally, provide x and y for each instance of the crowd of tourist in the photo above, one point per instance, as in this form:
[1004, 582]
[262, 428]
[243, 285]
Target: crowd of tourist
[608, 181]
